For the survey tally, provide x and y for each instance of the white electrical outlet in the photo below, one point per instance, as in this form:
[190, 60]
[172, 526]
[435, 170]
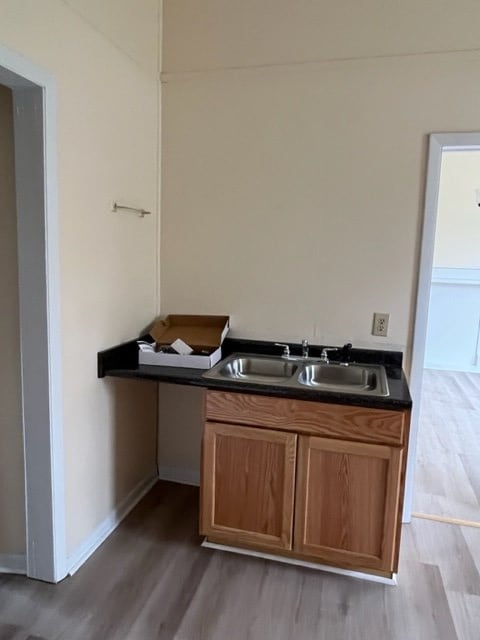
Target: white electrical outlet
[380, 324]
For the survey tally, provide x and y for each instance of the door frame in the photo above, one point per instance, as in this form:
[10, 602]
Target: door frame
[35, 132]
[438, 143]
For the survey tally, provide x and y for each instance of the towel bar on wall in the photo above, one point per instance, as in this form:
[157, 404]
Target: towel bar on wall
[122, 207]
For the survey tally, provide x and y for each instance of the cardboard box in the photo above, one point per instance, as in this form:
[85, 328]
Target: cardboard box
[204, 334]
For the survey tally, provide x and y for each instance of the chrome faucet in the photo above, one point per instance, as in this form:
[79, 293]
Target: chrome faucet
[325, 352]
[345, 354]
[286, 349]
[304, 348]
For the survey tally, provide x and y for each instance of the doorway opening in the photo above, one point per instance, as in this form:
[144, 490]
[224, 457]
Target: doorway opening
[34, 124]
[445, 369]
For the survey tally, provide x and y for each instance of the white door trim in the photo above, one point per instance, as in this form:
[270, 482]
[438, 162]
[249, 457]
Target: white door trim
[439, 142]
[35, 123]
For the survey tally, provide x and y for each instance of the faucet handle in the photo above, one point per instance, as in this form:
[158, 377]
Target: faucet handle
[305, 348]
[286, 349]
[346, 354]
[325, 351]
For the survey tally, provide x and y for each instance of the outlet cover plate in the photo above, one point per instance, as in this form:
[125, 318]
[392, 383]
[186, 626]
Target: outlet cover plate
[380, 324]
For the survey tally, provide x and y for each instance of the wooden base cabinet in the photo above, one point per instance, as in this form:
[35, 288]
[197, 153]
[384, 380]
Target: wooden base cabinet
[248, 485]
[347, 497]
[294, 487]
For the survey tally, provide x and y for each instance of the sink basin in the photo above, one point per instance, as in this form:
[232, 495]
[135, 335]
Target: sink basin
[258, 369]
[353, 379]
[305, 374]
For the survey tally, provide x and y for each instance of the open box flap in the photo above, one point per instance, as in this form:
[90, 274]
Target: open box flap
[197, 331]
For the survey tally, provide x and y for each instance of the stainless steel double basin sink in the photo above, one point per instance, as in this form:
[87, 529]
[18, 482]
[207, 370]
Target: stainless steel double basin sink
[302, 373]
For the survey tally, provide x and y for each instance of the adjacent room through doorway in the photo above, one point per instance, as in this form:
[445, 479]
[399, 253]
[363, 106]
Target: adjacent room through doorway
[448, 448]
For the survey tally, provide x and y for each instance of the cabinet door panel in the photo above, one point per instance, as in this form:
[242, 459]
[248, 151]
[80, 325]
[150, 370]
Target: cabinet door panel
[248, 485]
[347, 502]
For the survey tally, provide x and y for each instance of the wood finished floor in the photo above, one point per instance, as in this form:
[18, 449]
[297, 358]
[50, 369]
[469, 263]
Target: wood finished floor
[447, 481]
[152, 581]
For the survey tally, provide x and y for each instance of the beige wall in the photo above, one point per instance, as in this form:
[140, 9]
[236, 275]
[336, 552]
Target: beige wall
[108, 120]
[294, 158]
[12, 501]
[215, 34]
[458, 219]
[130, 25]
[180, 431]
[294, 155]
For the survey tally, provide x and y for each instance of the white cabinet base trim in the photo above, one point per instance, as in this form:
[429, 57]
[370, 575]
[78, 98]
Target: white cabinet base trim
[301, 563]
[13, 563]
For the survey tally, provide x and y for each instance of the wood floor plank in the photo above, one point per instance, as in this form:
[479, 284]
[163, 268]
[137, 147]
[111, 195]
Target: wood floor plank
[8, 631]
[465, 610]
[412, 613]
[452, 549]
[174, 591]
[447, 481]
[151, 580]
[471, 537]
[471, 464]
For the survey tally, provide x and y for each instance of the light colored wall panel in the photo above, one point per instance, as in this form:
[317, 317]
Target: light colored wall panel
[130, 25]
[108, 121]
[458, 220]
[218, 34]
[294, 158]
[453, 331]
[12, 487]
[292, 198]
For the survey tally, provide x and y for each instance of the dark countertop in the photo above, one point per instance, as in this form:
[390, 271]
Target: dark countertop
[122, 362]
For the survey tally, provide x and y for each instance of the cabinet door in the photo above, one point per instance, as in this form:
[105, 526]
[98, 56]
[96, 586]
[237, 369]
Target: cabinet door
[248, 478]
[347, 502]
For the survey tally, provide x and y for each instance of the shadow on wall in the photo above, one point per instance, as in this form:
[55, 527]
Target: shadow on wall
[134, 440]
[180, 428]
[12, 486]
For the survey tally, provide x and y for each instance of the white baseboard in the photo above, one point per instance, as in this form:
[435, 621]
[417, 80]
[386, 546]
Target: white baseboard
[111, 522]
[462, 367]
[13, 563]
[182, 476]
[302, 563]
